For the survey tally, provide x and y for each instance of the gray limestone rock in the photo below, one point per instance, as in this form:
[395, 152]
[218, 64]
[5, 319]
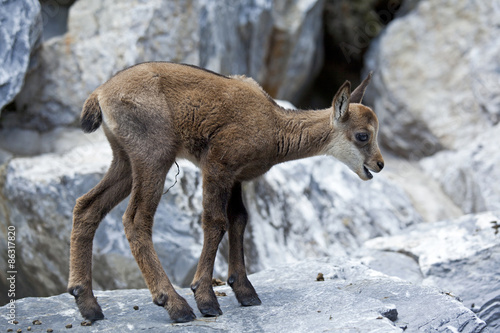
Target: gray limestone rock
[28, 142]
[425, 191]
[352, 298]
[470, 175]
[461, 257]
[436, 83]
[20, 33]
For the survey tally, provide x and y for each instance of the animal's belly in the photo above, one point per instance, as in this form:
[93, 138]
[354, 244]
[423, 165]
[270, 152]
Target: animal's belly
[184, 154]
[253, 171]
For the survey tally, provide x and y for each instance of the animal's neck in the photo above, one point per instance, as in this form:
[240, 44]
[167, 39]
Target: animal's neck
[303, 133]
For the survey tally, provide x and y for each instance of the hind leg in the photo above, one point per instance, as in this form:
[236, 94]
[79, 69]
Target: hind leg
[148, 180]
[237, 276]
[89, 210]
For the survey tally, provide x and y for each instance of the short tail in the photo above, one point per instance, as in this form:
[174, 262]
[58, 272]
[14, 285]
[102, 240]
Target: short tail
[91, 117]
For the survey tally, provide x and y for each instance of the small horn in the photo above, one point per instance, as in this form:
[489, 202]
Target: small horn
[359, 92]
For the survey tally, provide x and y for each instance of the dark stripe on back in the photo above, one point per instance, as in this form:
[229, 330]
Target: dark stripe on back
[204, 69]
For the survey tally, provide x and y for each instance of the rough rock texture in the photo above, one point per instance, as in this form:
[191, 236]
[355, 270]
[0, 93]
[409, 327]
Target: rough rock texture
[461, 257]
[424, 191]
[314, 207]
[470, 176]
[26, 142]
[4, 156]
[277, 44]
[318, 207]
[437, 78]
[295, 52]
[352, 299]
[20, 33]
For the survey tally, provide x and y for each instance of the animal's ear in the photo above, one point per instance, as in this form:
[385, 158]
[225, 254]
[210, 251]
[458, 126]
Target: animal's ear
[359, 92]
[341, 102]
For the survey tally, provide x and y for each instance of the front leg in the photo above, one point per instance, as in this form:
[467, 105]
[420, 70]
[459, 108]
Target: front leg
[237, 276]
[214, 223]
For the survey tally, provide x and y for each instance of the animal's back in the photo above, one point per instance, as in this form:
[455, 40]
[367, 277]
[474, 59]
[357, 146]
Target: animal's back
[192, 107]
[184, 89]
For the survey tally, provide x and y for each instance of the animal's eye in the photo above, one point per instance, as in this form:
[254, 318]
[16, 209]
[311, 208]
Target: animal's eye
[362, 137]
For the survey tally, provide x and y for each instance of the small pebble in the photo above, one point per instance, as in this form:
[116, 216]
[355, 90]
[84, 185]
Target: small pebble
[49, 330]
[217, 282]
[219, 293]
[37, 322]
[69, 326]
[29, 328]
[19, 330]
[136, 307]
[86, 323]
[320, 277]
[15, 322]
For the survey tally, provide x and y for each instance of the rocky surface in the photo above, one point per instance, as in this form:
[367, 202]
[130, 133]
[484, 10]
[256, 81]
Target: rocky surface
[460, 257]
[295, 53]
[26, 142]
[277, 45]
[314, 207]
[425, 191]
[351, 298]
[468, 175]
[20, 33]
[436, 83]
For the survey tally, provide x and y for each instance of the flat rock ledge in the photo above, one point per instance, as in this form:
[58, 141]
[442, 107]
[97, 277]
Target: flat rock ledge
[350, 298]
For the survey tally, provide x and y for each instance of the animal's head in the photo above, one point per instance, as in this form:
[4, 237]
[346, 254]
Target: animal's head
[355, 129]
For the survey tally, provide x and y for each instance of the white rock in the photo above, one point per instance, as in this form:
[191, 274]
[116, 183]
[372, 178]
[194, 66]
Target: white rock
[470, 176]
[318, 207]
[458, 256]
[20, 33]
[424, 191]
[437, 78]
[28, 142]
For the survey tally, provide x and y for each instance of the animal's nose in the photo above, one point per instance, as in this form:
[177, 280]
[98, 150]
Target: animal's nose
[380, 165]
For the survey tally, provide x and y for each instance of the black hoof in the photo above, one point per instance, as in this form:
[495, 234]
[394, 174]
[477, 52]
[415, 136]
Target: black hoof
[210, 311]
[249, 301]
[93, 314]
[184, 318]
[87, 303]
[208, 304]
[177, 307]
[244, 291]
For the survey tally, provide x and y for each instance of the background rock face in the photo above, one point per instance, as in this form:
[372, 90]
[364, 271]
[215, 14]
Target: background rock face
[318, 207]
[20, 33]
[278, 45]
[292, 217]
[467, 175]
[437, 81]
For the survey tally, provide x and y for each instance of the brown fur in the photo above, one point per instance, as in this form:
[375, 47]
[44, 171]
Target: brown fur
[153, 113]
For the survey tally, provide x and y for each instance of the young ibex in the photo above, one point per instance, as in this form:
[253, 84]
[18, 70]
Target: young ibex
[155, 112]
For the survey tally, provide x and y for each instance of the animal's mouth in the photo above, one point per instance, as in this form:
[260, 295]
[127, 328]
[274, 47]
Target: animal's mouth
[367, 172]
